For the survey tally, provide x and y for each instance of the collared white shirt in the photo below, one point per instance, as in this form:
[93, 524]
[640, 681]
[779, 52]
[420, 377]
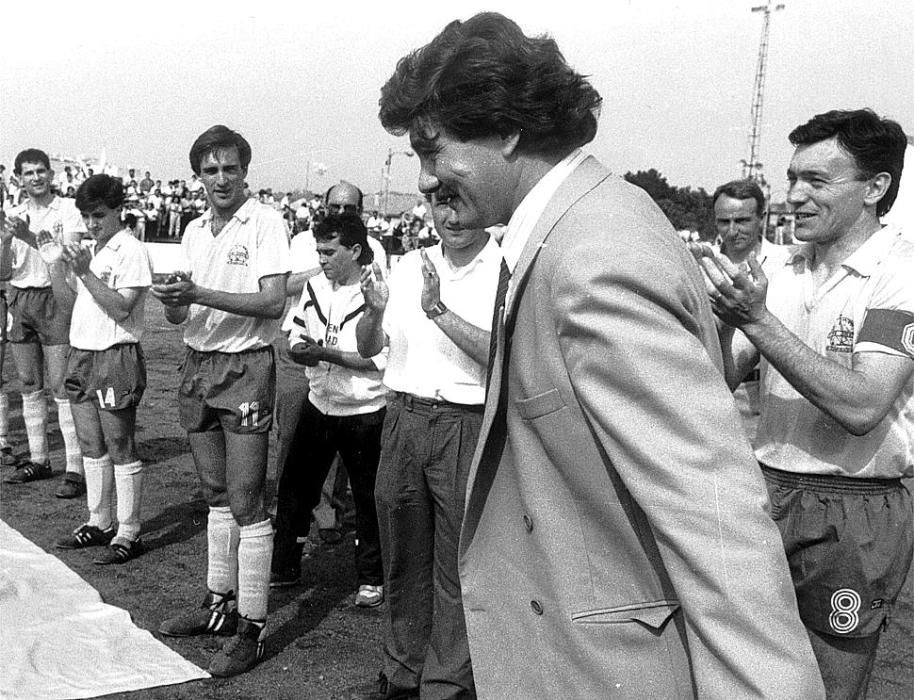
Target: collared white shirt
[253, 245]
[873, 290]
[122, 263]
[61, 219]
[422, 360]
[531, 208]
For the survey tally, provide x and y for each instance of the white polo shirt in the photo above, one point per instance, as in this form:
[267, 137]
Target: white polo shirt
[331, 315]
[422, 360]
[121, 264]
[253, 245]
[60, 218]
[866, 306]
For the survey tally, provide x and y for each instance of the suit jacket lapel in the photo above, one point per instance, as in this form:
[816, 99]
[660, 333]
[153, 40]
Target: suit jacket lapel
[585, 177]
[488, 449]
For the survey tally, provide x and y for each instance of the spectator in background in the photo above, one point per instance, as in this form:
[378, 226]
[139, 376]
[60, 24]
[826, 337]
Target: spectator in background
[151, 214]
[739, 217]
[174, 215]
[137, 217]
[146, 184]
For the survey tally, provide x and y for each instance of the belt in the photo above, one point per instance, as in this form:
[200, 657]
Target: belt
[413, 402]
[828, 482]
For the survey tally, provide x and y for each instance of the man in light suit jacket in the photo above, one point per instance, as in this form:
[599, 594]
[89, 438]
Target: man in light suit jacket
[616, 541]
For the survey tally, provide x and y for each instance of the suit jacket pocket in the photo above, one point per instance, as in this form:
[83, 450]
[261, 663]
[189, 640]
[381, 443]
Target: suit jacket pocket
[654, 614]
[539, 405]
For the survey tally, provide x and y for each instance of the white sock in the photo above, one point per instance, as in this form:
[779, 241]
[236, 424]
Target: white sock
[35, 415]
[68, 433]
[99, 475]
[4, 419]
[254, 554]
[128, 480]
[222, 550]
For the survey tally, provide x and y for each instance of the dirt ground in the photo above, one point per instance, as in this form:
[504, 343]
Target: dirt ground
[320, 645]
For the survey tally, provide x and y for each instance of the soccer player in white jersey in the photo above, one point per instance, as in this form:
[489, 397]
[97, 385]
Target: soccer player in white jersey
[230, 299]
[38, 331]
[106, 371]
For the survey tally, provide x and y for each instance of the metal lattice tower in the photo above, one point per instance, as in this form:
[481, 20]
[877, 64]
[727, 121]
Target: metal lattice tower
[752, 169]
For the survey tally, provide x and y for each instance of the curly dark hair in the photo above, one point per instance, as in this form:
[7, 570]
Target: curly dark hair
[484, 77]
[214, 139]
[100, 189]
[876, 144]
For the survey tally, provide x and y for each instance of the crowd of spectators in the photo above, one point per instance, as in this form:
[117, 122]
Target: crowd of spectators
[160, 210]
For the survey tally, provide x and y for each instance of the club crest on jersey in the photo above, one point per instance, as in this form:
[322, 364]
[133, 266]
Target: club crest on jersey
[907, 339]
[105, 276]
[841, 335]
[238, 255]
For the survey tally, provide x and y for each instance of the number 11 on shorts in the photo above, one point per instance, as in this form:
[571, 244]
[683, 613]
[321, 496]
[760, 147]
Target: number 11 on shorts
[249, 413]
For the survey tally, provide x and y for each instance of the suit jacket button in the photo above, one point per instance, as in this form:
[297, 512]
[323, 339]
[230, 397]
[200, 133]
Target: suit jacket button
[537, 608]
[528, 523]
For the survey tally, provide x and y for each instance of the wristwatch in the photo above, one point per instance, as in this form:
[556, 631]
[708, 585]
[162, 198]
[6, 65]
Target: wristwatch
[436, 310]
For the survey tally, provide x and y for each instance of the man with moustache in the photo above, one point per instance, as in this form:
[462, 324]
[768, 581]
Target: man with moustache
[38, 327]
[615, 540]
[834, 329]
[230, 299]
[432, 315]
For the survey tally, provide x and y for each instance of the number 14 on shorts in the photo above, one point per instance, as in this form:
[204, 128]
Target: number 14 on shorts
[106, 398]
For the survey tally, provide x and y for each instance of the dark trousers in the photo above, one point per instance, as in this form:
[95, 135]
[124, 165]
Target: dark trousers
[422, 478]
[317, 440]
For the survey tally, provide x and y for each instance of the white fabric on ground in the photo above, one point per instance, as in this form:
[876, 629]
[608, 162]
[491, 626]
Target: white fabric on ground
[59, 639]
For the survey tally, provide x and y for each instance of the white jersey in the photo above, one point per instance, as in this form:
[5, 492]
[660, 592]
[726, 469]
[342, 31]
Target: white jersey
[61, 219]
[123, 263]
[253, 245]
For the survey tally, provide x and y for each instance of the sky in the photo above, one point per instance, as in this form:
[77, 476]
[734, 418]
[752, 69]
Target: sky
[139, 81]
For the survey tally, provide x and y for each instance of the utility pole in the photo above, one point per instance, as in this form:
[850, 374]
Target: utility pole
[390, 156]
[752, 169]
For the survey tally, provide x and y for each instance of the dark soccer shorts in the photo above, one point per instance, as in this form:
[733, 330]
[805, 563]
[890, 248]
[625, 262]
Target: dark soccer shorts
[849, 543]
[35, 317]
[114, 379]
[229, 391]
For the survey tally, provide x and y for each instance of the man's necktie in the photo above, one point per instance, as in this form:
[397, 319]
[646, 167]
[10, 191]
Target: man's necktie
[504, 276]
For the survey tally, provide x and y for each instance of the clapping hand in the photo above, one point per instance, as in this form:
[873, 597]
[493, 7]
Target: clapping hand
[431, 285]
[306, 351]
[73, 254]
[738, 292]
[374, 288]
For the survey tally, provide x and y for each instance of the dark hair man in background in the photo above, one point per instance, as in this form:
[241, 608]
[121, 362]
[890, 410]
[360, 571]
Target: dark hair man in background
[739, 216]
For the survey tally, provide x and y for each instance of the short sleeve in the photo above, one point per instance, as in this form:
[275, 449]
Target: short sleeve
[134, 269]
[888, 325]
[272, 244]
